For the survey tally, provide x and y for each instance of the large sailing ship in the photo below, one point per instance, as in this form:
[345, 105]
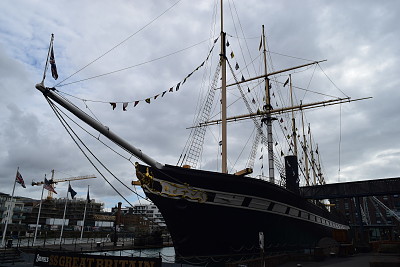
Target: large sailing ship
[219, 214]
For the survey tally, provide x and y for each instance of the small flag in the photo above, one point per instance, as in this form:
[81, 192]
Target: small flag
[20, 180]
[171, 89]
[287, 81]
[53, 64]
[232, 55]
[88, 197]
[227, 43]
[71, 191]
[155, 97]
[47, 185]
[262, 156]
[253, 101]
[259, 48]
[236, 66]
[177, 86]
[163, 93]
[124, 106]
[147, 100]
[114, 105]
[136, 103]
[243, 78]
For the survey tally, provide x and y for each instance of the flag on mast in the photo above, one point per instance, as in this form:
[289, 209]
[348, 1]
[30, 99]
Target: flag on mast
[88, 197]
[71, 191]
[47, 185]
[53, 64]
[20, 180]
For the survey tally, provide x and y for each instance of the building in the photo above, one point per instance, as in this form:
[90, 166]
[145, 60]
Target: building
[24, 214]
[380, 215]
[16, 208]
[149, 211]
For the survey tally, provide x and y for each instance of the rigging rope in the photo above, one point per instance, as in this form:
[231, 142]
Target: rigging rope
[123, 41]
[70, 131]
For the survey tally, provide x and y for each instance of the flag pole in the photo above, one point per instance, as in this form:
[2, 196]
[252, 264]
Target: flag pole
[38, 217]
[84, 213]
[48, 55]
[65, 208]
[9, 209]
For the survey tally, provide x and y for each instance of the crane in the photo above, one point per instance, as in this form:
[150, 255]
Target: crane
[56, 181]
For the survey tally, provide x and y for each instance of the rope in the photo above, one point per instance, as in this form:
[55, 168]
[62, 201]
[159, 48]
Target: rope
[123, 41]
[65, 124]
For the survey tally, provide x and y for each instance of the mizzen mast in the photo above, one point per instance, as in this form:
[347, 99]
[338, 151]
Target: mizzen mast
[223, 97]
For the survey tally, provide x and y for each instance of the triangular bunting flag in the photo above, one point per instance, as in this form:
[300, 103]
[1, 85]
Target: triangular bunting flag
[114, 105]
[155, 97]
[177, 86]
[236, 66]
[287, 81]
[227, 43]
[136, 103]
[163, 93]
[232, 55]
[171, 89]
[243, 78]
[124, 106]
[147, 100]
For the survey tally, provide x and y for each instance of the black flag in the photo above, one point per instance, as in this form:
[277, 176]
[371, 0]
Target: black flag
[53, 65]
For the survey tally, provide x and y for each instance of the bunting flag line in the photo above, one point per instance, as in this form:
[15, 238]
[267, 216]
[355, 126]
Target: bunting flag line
[71, 191]
[47, 185]
[20, 180]
[171, 89]
[53, 64]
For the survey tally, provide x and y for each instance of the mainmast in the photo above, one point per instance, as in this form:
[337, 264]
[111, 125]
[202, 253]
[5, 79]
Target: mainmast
[223, 97]
[268, 108]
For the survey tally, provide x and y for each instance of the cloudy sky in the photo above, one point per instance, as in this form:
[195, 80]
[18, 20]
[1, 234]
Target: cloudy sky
[157, 44]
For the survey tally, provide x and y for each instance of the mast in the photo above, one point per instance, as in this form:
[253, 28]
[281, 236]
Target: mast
[293, 119]
[269, 117]
[305, 151]
[223, 97]
[312, 157]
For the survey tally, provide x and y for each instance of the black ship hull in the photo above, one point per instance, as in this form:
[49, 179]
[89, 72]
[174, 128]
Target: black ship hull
[211, 214]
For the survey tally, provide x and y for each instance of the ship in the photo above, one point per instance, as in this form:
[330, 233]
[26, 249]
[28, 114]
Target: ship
[220, 215]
